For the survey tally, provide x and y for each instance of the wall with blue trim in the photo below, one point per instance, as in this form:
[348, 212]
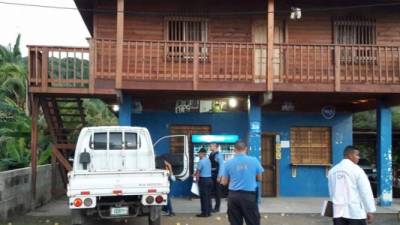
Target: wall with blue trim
[309, 180]
[158, 125]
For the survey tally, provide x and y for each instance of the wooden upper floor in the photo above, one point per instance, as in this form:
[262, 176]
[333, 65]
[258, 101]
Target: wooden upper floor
[227, 46]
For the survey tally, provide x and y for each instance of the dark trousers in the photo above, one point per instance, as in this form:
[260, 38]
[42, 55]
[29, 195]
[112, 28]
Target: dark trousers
[217, 189]
[243, 205]
[205, 186]
[345, 221]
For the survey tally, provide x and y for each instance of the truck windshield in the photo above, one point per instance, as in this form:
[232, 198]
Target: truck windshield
[100, 141]
[115, 141]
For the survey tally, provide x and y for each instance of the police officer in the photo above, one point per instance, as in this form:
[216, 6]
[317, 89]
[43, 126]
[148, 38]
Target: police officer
[242, 173]
[203, 176]
[217, 166]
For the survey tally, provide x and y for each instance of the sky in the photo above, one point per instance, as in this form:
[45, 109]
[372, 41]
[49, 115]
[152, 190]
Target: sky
[42, 26]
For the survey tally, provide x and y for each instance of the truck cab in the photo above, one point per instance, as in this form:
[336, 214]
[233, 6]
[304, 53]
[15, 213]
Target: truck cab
[114, 175]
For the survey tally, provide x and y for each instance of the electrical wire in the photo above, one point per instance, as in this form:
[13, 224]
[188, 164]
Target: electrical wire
[156, 13]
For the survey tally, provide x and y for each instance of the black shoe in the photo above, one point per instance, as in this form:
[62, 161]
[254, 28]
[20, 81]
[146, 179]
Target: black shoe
[215, 210]
[171, 214]
[202, 215]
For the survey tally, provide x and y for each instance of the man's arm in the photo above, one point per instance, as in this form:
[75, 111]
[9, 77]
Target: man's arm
[259, 176]
[365, 191]
[221, 167]
[224, 180]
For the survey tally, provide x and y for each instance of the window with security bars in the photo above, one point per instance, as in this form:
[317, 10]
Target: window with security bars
[185, 31]
[311, 145]
[357, 33]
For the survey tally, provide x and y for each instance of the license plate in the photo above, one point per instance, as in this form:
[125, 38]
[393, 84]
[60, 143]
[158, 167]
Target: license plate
[120, 211]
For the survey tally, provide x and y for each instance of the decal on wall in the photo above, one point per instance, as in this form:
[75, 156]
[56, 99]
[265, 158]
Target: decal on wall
[328, 112]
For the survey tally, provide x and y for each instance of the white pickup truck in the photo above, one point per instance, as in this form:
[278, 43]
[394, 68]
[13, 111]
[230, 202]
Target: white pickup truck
[114, 175]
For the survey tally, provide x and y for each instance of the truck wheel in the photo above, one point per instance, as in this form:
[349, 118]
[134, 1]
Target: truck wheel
[77, 217]
[154, 222]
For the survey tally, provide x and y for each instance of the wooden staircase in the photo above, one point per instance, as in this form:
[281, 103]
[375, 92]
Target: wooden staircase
[65, 117]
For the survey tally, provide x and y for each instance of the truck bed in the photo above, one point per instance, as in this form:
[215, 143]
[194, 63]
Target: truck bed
[135, 182]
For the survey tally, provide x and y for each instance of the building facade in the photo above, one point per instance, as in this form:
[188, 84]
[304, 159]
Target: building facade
[297, 70]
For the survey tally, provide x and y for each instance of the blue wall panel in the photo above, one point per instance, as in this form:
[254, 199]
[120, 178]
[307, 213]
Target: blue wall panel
[309, 180]
[158, 125]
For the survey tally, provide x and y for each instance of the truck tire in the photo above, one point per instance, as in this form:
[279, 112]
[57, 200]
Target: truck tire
[77, 217]
[154, 217]
[154, 222]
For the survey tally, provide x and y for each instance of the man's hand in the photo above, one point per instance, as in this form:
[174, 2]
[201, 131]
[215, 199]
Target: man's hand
[370, 217]
[219, 179]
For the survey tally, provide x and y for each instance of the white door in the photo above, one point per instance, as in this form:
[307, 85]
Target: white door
[178, 160]
[259, 30]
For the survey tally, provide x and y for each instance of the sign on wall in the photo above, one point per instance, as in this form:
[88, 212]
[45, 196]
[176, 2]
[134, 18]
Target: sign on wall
[328, 112]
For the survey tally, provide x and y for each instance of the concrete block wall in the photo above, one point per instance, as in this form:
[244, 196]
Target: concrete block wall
[15, 190]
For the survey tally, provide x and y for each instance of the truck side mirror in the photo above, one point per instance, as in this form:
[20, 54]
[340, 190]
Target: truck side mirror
[84, 159]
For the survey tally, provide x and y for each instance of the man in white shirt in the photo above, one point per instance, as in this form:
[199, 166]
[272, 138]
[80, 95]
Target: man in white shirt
[350, 191]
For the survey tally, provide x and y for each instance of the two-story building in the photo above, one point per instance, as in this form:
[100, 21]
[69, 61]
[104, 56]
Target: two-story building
[284, 75]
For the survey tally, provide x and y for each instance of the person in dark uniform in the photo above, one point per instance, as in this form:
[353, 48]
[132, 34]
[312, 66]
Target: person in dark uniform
[203, 176]
[242, 173]
[217, 166]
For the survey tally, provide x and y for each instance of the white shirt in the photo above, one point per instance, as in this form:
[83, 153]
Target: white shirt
[350, 191]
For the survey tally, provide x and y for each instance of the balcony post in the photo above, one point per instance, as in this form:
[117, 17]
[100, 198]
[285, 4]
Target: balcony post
[44, 72]
[195, 64]
[384, 154]
[34, 141]
[120, 44]
[270, 44]
[92, 64]
[337, 68]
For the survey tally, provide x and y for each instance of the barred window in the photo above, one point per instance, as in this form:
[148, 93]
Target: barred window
[311, 145]
[355, 31]
[186, 29]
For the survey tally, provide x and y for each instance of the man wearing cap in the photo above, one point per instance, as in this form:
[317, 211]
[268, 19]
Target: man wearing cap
[242, 173]
[203, 176]
[217, 166]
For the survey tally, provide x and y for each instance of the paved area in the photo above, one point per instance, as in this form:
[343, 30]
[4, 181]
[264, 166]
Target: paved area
[268, 205]
[216, 219]
[275, 211]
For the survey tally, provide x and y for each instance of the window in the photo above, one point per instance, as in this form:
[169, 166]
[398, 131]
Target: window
[131, 141]
[186, 29]
[355, 31]
[115, 140]
[311, 145]
[100, 141]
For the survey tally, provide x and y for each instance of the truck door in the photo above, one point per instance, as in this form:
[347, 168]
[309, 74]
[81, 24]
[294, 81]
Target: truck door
[178, 160]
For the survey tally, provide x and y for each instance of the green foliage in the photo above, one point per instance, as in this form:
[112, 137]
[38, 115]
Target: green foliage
[15, 125]
[98, 114]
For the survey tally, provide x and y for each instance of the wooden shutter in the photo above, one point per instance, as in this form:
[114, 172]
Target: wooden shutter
[311, 145]
[176, 144]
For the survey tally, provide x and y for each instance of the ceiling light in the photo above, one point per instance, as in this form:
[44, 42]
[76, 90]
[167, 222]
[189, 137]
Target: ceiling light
[115, 108]
[233, 102]
[295, 13]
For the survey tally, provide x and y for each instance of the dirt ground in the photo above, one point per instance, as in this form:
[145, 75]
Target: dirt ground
[190, 219]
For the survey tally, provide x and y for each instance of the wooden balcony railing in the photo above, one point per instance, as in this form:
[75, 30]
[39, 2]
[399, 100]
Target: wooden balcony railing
[343, 64]
[58, 67]
[332, 66]
[180, 61]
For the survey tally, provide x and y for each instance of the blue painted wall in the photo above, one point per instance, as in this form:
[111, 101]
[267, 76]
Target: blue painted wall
[310, 180]
[158, 125]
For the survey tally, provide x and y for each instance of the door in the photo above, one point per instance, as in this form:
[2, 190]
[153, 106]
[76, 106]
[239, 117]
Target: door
[269, 164]
[179, 160]
[259, 30]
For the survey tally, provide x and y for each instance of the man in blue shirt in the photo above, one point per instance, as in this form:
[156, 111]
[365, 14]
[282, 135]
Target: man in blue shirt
[242, 173]
[203, 176]
[217, 166]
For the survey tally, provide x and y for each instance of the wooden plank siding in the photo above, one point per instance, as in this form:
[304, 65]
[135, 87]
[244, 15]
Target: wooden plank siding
[305, 57]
